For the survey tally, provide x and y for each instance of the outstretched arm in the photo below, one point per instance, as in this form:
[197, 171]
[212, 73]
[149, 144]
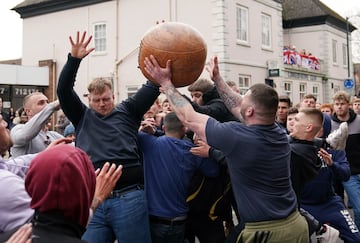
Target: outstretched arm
[183, 109]
[24, 133]
[69, 100]
[231, 99]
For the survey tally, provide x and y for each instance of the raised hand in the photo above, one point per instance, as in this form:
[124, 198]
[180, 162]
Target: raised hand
[106, 179]
[161, 75]
[79, 47]
[213, 68]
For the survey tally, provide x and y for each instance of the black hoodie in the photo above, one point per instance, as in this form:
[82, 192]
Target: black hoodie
[214, 107]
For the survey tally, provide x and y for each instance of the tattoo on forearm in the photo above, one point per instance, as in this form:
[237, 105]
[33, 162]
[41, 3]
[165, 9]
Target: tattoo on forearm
[229, 100]
[176, 98]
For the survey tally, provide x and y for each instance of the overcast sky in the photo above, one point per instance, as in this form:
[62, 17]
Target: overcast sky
[11, 29]
[11, 24]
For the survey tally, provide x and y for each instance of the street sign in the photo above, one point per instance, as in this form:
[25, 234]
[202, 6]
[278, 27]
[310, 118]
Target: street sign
[349, 83]
[274, 72]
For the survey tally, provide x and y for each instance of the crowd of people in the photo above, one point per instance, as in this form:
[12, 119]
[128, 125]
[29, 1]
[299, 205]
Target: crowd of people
[324, 196]
[216, 166]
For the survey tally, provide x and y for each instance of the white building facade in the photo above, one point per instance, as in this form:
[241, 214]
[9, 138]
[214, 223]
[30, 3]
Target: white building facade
[246, 35]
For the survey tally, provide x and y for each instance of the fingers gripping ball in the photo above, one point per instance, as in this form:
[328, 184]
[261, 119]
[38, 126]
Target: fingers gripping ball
[178, 42]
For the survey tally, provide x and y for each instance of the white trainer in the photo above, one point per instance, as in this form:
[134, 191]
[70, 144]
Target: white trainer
[329, 235]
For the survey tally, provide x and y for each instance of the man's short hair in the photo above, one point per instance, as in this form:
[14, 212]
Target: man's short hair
[286, 99]
[316, 115]
[202, 84]
[356, 100]
[98, 85]
[293, 110]
[28, 97]
[310, 96]
[172, 123]
[342, 95]
[327, 105]
[266, 98]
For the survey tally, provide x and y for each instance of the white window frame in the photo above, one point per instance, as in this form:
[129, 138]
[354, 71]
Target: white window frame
[100, 38]
[266, 31]
[302, 90]
[344, 50]
[288, 88]
[334, 51]
[315, 91]
[242, 24]
[244, 83]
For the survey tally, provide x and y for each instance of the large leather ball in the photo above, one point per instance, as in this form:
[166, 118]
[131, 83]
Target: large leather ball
[178, 42]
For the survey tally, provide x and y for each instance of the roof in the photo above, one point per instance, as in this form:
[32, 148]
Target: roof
[305, 9]
[32, 2]
[30, 8]
[296, 13]
[311, 12]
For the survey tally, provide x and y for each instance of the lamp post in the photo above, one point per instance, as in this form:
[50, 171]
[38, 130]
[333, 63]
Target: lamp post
[350, 82]
[348, 31]
[347, 46]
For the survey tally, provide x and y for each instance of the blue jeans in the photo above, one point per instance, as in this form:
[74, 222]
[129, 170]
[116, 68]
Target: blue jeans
[352, 188]
[124, 218]
[161, 233]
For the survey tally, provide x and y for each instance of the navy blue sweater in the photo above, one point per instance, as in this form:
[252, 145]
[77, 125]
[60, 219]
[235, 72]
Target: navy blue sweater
[112, 137]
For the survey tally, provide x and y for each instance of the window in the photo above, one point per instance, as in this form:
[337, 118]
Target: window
[334, 48]
[100, 37]
[265, 30]
[344, 52]
[244, 84]
[288, 89]
[302, 90]
[336, 88]
[242, 27]
[131, 90]
[315, 91]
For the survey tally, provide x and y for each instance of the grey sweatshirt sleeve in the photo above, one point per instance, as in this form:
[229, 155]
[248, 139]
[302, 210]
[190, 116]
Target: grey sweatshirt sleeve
[22, 134]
